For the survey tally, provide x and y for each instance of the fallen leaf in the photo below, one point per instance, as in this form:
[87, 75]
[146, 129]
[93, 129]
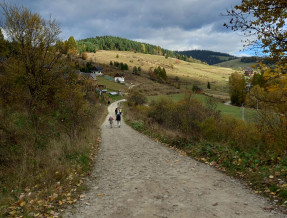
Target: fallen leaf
[12, 212]
[100, 195]
[215, 204]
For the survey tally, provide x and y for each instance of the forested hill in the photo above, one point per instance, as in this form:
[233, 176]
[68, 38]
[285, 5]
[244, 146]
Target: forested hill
[121, 44]
[209, 57]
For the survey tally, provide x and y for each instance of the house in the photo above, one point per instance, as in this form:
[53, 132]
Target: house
[119, 77]
[87, 75]
[249, 73]
[98, 71]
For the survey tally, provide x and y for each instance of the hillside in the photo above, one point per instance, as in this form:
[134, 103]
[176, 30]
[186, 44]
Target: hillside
[236, 64]
[189, 74]
[122, 44]
[209, 57]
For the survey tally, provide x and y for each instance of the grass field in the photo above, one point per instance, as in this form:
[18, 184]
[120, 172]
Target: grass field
[235, 64]
[226, 110]
[190, 73]
[113, 86]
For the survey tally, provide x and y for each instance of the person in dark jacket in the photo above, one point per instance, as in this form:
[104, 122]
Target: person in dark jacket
[116, 111]
[118, 119]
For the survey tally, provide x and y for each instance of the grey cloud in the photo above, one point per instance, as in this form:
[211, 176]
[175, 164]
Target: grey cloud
[167, 23]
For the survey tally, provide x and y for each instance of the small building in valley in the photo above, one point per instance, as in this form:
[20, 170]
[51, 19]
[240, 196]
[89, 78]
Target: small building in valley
[119, 77]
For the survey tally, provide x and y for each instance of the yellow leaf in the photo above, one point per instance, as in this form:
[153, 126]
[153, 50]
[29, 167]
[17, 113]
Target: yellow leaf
[12, 212]
[60, 202]
[22, 203]
[100, 195]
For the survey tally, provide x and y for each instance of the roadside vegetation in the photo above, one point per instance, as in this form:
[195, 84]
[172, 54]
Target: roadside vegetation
[255, 152]
[49, 117]
[250, 115]
[249, 151]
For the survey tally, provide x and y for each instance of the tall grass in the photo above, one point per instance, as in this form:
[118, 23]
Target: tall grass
[31, 171]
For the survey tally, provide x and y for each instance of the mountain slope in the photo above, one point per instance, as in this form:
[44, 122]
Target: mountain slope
[209, 57]
[122, 44]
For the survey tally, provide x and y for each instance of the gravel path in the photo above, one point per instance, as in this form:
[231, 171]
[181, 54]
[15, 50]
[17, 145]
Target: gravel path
[138, 177]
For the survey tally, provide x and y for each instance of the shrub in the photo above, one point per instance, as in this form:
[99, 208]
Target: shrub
[84, 55]
[136, 98]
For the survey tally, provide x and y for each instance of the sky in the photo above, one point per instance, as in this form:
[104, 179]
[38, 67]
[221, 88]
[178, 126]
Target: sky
[172, 24]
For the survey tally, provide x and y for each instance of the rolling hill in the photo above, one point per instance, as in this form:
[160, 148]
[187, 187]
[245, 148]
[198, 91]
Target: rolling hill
[209, 57]
[188, 73]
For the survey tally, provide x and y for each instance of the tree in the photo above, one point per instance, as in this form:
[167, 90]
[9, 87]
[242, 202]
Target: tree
[34, 65]
[3, 45]
[135, 70]
[143, 48]
[136, 98]
[258, 79]
[266, 20]
[72, 46]
[237, 88]
[208, 85]
[158, 50]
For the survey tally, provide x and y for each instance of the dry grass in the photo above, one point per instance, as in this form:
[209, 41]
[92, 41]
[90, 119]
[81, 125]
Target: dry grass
[187, 72]
[60, 168]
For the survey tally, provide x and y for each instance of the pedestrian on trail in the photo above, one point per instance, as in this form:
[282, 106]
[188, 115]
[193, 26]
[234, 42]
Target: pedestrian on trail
[111, 121]
[118, 118]
[116, 111]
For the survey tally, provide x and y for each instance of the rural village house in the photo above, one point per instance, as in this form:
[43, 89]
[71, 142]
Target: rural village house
[98, 71]
[249, 73]
[119, 77]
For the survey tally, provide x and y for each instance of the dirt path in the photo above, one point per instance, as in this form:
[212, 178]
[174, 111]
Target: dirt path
[138, 177]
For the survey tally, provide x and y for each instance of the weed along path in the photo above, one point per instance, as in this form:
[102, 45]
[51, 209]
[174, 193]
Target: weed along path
[135, 176]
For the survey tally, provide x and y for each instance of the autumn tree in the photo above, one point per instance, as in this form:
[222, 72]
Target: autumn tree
[143, 48]
[266, 20]
[3, 45]
[34, 59]
[237, 88]
[72, 46]
[158, 50]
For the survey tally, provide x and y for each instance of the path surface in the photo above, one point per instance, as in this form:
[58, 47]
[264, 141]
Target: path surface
[137, 177]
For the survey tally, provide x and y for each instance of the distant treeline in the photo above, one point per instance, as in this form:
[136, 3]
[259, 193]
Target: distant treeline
[250, 59]
[209, 57]
[121, 44]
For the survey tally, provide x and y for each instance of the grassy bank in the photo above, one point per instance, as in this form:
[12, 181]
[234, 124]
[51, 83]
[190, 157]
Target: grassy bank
[41, 185]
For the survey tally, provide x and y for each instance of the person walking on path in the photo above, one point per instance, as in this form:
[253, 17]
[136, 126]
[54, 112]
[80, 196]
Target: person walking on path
[118, 118]
[111, 121]
[116, 111]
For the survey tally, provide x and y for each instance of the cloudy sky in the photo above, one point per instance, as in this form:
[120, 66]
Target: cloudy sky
[171, 24]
